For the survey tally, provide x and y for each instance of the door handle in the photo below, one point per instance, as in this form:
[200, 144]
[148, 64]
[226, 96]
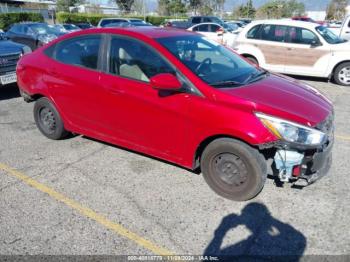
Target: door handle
[289, 48]
[53, 72]
[115, 91]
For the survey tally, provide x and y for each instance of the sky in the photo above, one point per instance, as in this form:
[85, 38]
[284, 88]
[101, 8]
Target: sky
[310, 5]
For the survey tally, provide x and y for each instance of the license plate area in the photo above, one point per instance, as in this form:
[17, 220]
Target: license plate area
[8, 78]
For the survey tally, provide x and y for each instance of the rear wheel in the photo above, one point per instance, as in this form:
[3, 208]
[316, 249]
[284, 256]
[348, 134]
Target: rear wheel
[342, 74]
[233, 169]
[48, 119]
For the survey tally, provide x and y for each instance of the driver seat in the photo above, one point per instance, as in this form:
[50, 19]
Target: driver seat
[129, 69]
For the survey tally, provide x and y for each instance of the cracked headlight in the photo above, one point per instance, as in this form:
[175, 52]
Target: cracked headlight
[292, 132]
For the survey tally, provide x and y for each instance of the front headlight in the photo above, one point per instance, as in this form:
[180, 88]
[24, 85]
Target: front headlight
[26, 50]
[292, 132]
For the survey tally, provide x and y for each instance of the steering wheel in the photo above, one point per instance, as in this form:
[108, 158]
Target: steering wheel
[205, 61]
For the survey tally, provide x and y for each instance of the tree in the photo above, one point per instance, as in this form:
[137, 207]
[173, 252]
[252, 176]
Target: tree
[171, 7]
[336, 9]
[125, 5]
[163, 7]
[140, 6]
[63, 5]
[247, 10]
[280, 9]
[194, 5]
[177, 7]
[209, 7]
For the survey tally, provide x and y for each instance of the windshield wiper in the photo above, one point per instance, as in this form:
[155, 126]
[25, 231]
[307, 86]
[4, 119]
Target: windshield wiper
[227, 83]
[254, 77]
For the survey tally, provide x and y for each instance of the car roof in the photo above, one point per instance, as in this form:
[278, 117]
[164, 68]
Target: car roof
[30, 23]
[287, 22]
[112, 18]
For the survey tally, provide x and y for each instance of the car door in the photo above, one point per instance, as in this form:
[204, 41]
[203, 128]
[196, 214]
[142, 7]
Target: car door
[271, 43]
[305, 53]
[73, 79]
[149, 120]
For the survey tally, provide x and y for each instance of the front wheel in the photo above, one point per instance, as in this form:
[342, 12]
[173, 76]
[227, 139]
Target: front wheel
[48, 119]
[233, 169]
[342, 74]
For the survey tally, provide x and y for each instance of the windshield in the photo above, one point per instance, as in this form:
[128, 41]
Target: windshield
[70, 27]
[329, 36]
[213, 63]
[42, 29]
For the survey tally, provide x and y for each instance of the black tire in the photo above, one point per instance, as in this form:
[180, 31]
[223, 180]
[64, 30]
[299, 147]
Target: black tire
[48, 120]
[252, 59]
[233, 169]
[340, 77]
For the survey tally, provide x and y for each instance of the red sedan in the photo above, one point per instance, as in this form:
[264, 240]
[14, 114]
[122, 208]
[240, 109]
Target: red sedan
[178, 96]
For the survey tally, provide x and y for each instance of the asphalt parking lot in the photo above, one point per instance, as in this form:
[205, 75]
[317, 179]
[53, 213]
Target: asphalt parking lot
[79, 196]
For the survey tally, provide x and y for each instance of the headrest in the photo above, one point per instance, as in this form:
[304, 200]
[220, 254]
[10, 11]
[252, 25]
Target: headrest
[124, 55]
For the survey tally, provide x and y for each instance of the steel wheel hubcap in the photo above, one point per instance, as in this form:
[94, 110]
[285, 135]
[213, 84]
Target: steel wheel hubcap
[47, 120]
[230, 169]
[344, 75]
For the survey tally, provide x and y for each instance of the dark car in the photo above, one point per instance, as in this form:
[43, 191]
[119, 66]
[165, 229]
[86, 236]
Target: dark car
[10, 53]
[84, 25]
[33, 35]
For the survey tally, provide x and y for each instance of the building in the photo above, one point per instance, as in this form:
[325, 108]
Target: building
[317, 15]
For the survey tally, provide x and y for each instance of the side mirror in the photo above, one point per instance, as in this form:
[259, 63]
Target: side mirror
[165, 81]
[315, 43]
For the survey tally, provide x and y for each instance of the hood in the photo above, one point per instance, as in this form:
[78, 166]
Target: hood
[7, 46]
[341, 46]
[286, 98]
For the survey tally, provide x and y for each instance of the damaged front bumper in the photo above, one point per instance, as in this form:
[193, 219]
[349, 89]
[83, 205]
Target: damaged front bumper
[303, 166]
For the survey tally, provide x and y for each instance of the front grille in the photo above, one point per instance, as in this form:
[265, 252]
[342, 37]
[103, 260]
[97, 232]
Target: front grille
[8, 63]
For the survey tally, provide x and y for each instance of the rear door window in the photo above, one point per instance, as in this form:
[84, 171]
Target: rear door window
[80, 51]
[196, 20]
[203, 28]
[276, 33]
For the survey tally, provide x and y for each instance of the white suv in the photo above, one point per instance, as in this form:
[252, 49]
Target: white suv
[104, 22]
[297, 48]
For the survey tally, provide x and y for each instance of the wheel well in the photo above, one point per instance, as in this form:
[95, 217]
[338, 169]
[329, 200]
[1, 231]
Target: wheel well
[248, 55]
[342, 62]
[203, 145]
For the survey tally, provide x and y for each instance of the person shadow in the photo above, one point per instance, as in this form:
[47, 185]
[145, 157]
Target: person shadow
[270, 239]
